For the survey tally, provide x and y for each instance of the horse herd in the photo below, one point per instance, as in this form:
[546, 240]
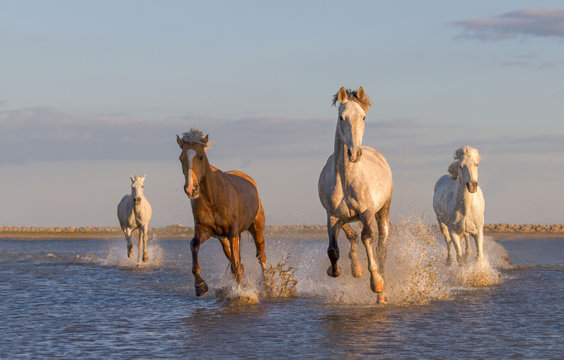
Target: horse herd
[355, 185]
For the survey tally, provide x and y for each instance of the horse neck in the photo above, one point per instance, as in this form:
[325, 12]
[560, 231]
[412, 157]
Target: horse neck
[207, 183]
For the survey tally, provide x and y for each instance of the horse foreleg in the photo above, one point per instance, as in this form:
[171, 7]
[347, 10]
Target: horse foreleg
[468, 251]
[457, 247]
[236, 266]
[444, 230]
[127, 232]
[333, 227]
[199, 237]
[140, 247]
[376, 280]
[479, 240]
[145, 238]
[352, 236]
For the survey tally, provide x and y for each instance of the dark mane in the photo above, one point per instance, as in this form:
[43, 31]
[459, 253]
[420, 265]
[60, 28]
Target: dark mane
[352, 95]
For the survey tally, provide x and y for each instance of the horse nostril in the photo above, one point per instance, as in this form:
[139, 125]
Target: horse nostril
[359, 154]
[349, 152]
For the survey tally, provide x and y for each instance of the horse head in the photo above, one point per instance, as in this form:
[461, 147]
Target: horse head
[137, 188]
[465, 167]
[194, 160]
[353, 105]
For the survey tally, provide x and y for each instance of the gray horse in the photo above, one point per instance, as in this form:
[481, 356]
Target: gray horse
[134, 213]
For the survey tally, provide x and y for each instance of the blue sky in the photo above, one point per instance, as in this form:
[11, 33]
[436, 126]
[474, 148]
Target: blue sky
[94, 91]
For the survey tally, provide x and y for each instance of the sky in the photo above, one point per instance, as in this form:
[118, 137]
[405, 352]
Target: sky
[94, 91]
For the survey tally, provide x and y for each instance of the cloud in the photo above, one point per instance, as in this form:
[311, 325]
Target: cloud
[526, 22]
[46, 134]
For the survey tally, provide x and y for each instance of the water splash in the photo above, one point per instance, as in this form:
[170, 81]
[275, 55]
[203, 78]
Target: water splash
[117, 256]
[415, 271]
[279, 281]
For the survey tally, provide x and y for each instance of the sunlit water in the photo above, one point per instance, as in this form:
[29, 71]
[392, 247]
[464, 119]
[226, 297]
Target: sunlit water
[84, 299]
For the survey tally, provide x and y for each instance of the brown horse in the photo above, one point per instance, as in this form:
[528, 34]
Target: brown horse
[223, 205]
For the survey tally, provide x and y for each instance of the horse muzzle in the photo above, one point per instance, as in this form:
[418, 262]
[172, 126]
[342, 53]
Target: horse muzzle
[193, 191]
[354, 155]
[472, 186]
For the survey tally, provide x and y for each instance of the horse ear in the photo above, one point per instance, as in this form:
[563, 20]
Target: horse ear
[179, 141]
[342, 95]
[360, 93]
[132, 177]
[206, 139]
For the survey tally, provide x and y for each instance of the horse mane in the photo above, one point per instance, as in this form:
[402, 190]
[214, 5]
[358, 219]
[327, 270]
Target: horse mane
[453, 167]
[352, 95]
[196, 136]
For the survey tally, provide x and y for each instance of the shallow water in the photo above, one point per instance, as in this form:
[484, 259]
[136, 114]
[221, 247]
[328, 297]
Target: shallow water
[84, 299]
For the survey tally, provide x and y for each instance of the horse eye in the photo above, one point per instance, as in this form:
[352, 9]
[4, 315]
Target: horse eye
[341, 118]
[363, 118]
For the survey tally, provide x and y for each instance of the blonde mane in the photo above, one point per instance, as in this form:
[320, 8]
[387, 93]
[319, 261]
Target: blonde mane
[196, 136]
[465, 150]
[357, 96]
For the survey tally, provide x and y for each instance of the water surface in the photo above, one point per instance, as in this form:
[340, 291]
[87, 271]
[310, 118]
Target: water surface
[84, 299]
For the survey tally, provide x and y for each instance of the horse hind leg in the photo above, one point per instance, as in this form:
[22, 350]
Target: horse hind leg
[257, 232]
[352, 236]
[383, 221]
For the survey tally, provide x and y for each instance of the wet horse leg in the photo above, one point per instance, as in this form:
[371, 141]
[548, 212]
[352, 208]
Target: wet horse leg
[145, 237]
[376, 281]
[457, 247]
[444, 230]
[127, 232]
[479, 240]
[352, 236]
[333, 227]
[383, 221]
[257, 232]
[468, 246]
[200, 235]
[236, 266]
[140, 246]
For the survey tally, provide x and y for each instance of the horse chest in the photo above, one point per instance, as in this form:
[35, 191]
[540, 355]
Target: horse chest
[213, 217]
[345, 202]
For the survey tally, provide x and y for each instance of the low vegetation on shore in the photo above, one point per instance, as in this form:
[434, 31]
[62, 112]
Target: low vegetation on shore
[181, 231]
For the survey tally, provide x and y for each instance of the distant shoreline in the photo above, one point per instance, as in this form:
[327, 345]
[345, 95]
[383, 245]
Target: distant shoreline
[184, 232]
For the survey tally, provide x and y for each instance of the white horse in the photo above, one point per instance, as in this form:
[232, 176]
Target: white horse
[134, 213]
[459, 204]
[356, 185]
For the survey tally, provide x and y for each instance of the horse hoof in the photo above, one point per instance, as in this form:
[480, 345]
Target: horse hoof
[145, 258]
[201, 289]
[357, 271]
[377, 286]
[382, 299]
[130, 255]
[334, 272]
